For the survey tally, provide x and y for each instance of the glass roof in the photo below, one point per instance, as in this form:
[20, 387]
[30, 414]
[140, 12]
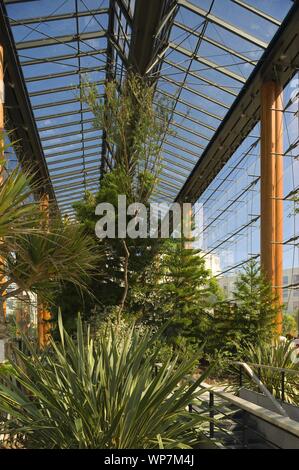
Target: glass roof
[200, 65]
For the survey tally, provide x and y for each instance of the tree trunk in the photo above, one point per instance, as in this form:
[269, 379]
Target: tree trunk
[126, 281]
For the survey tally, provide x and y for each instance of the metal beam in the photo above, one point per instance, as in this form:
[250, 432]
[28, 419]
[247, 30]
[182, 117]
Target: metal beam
[195, 121]
[224, 24]
[71, 159]
[175, 171]
[62, 17]
[67, 152]
[65, 124]
[53, 104]
[60, 58]
[197, 93]
[8, 2]
[183, 149]
[53, 41]
[226, 89]
[280, 61]
[176, 164]
[61, 89]
[146, 21]
[74, 165]
[191, 131]
[179, 157]
[125, 11]
[174, 181]
[257, 12]
[161, 193]
[71, 175]
[68, 73]
[211, 65]
[70, 200]
[69, 134]
[62, 187]
[167, 186]
[76, 192]
[188, 104]
[60, 115]
[81, 140]
[215, 43]
[190, 142]
[110, 75]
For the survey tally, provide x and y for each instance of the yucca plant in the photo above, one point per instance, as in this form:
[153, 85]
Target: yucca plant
[42, 260]
[19, 213]
[35, 256]
[278, 354]
[105, 394]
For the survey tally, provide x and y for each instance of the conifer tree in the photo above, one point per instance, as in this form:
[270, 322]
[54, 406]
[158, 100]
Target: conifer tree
[249, 318]
[256, 305]
[186, 292]
[134, 126]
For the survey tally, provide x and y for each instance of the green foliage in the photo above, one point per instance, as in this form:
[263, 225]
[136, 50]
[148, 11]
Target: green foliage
[178, 289]
[224, 335]
[289, 325]
[104, 394]
[133, 127]
[276, 354]
[295, 199]
[36, 254]
[256, 305]
[19, 214]
[42, 261]
[186, 290]
[249, 318]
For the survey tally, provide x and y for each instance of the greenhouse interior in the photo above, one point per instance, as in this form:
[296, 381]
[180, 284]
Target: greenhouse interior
[149, 202]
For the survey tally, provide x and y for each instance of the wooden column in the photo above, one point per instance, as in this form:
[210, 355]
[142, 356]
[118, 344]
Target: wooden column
[42, 312]
[2, 126]
[272, 189]
[2, 91]
[187, 227]
[279, 203]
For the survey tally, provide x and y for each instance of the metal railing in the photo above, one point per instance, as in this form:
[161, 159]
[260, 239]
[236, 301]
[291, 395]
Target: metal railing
[229, 423]
[283, 373]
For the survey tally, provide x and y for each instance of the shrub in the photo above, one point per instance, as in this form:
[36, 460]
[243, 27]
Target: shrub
[278, 354]
[100, 394]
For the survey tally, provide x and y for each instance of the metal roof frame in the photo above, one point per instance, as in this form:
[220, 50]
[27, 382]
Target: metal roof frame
[19, 115]
[224, 24]
[141, 41]
[280, 60]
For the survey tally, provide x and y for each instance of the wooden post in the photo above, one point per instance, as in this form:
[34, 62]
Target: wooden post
[279, 204]
[187, 226]
[42, 312]
[2, 90]
[272, 189]
[2, 125]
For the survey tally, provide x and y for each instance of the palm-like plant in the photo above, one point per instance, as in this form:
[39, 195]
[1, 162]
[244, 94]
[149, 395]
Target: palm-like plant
[44, 259]
[279, 355]
[18, 212]
[100, 395]
[34, 256]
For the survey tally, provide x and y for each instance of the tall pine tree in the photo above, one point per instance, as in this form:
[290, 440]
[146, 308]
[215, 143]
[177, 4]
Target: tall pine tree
[256, 305]
[186, 292]
[248, 318]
